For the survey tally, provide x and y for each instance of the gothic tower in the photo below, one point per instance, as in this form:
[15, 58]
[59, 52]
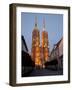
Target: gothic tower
[35, 51]
[45, 43]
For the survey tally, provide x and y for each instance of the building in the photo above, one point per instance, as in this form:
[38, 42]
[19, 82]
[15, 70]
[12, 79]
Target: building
[45, 43]
[36, 45]
[27, 64]
[40, 53]
[24, 45]
[57, 53]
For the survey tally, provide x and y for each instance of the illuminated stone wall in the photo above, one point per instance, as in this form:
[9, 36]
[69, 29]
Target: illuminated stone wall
[36, 47]
[45, 45]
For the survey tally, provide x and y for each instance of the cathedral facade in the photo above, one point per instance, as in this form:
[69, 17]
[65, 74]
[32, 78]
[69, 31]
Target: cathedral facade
[39, 51]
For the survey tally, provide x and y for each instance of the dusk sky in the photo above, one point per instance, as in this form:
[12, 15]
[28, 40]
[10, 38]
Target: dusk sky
[53, 24]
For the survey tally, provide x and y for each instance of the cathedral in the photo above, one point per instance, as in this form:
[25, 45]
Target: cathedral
[40, 50]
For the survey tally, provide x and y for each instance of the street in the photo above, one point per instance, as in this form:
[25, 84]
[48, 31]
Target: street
[45, 72]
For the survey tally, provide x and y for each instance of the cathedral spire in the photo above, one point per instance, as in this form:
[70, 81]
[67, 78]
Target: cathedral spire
[35, 21]
[44, 23]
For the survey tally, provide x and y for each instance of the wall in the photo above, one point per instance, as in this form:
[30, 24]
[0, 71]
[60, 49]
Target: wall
[4, 45]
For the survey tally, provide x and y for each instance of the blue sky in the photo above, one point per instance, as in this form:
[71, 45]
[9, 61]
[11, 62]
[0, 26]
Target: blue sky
[53, 23]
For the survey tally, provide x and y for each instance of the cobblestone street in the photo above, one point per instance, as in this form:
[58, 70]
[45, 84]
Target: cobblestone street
[45, 72]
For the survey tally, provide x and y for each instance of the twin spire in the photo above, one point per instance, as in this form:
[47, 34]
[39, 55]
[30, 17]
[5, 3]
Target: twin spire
[35, 21]
[43, 22]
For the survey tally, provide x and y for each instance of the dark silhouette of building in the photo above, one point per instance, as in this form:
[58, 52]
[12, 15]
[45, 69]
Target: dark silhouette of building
[24, 46]
[27, 63]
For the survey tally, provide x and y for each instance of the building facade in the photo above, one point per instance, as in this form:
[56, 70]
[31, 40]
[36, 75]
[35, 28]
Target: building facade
[57, 53]
[45, 45]
[40, 53]
[36, 45]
